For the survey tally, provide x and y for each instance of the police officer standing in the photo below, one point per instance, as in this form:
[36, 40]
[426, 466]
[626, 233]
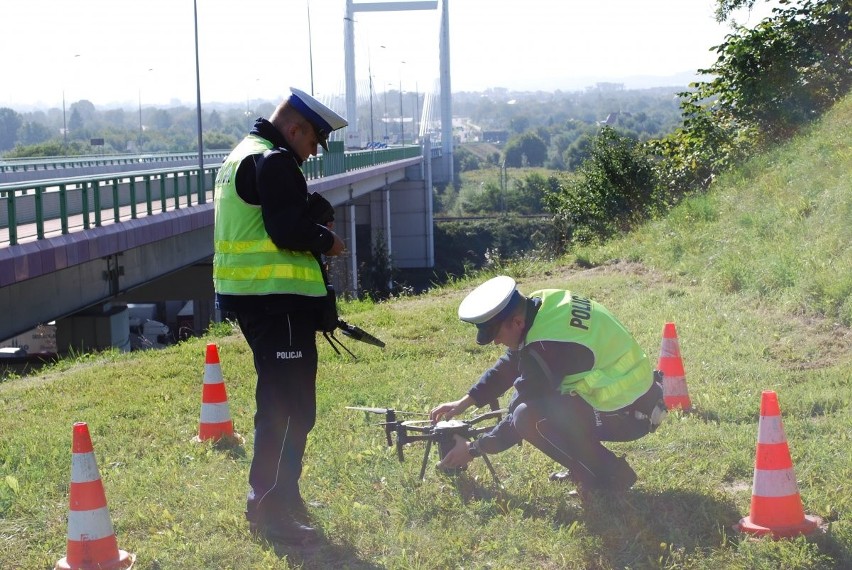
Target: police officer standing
[269, 237]
[580, 378]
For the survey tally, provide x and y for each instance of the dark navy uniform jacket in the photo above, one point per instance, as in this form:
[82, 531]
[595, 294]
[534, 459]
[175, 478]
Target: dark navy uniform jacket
[519, 369]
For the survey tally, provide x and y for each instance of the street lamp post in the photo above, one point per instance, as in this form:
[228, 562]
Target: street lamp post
[370, 72]
[202, 197]
[372, 136]
[387, 138]
[310, 46]
[401, 116]
[416, 113]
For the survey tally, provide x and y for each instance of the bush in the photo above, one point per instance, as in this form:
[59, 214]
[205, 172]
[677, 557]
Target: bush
[462, 246]
[615, 189]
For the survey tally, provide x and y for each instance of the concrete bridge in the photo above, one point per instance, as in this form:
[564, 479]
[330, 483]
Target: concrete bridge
[78, 249]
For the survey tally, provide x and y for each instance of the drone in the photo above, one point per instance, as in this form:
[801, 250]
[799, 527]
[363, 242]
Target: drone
[442, 432]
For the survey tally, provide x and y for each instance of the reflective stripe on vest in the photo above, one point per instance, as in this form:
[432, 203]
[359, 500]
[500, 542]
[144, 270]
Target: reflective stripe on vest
[245, 260]
[621, 372]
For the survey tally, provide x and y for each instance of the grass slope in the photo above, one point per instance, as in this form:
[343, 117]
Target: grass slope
[747, 272]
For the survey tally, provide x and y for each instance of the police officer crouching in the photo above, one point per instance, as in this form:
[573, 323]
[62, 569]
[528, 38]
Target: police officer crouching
[580, 378]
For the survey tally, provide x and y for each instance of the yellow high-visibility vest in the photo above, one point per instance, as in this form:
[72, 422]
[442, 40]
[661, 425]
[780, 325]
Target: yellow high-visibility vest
[245, 260]
[621, 371]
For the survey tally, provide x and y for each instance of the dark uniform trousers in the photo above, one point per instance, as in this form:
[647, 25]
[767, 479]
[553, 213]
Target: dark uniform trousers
[569, 430]
[285, 358]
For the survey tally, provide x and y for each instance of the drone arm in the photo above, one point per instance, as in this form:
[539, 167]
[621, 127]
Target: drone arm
[487, 415]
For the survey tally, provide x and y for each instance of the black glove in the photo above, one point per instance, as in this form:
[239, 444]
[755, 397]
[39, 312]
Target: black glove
[320, 210]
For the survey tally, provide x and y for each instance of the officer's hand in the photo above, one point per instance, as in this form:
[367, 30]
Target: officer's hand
[337, 247]
[458, 456]
[443, 411]
[449, 410]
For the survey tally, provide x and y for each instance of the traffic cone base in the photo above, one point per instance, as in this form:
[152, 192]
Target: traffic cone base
[91, 540]
[675, 393]
[216, 420]
[125, 561]
[776, 506]
[808, 525]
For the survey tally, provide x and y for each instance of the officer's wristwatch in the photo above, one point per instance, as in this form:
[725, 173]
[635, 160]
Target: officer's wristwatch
[473, 449]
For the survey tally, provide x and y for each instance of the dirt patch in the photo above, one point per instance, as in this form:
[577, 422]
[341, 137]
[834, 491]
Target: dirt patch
[811, 343]
[621, 267]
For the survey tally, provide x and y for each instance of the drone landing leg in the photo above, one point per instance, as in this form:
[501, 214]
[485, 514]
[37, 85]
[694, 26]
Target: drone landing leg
[425, 459]
[491, 469]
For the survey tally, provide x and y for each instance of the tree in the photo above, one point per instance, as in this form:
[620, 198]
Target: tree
[75, 122]
[464, 160]
[86, 110]
[520, 124]
[525, 150]
[615, 189]
[218, 140]
[161, 120]
[768, 82]
[10, 122]
[33, 133]
[578, 151]
[214, 121]
[784, 72]
[117, 118]
[528, 195]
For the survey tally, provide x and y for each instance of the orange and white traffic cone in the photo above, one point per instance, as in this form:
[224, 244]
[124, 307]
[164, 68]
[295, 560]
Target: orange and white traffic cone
[216, 420]
[91, 540]
[776, 506]
[675, 392]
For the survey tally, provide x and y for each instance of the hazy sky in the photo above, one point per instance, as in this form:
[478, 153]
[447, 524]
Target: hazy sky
[124, 51]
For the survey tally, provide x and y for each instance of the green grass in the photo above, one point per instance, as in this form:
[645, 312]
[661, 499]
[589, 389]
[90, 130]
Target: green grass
[756, 276]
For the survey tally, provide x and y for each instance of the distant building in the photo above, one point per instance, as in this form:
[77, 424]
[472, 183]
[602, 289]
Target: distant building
[612, 118]
[495, 137]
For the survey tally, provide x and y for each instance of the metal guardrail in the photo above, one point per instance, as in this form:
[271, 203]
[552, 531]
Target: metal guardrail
[61, 162]
[91, 201]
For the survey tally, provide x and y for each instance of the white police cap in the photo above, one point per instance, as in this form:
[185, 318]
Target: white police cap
[323, 119]
[488, 305]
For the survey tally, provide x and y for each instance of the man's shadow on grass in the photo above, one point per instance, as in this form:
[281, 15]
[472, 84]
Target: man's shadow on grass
[639, 526]
[323, 554]
[635, 527]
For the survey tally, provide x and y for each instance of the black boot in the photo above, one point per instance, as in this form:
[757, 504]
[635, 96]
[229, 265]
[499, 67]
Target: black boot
[285, 530]
[287, 525]
[619, 476]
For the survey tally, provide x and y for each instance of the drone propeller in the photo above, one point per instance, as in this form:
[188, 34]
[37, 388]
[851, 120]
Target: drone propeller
[385, 411]
[406, 424]
[373, 410]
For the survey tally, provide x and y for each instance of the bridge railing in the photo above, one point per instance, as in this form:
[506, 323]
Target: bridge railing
[58, 206]
[62, 162]
[37, 209]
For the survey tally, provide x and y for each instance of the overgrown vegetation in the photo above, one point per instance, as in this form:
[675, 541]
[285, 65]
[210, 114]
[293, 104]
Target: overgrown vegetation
[767, 82]
[464, 246]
